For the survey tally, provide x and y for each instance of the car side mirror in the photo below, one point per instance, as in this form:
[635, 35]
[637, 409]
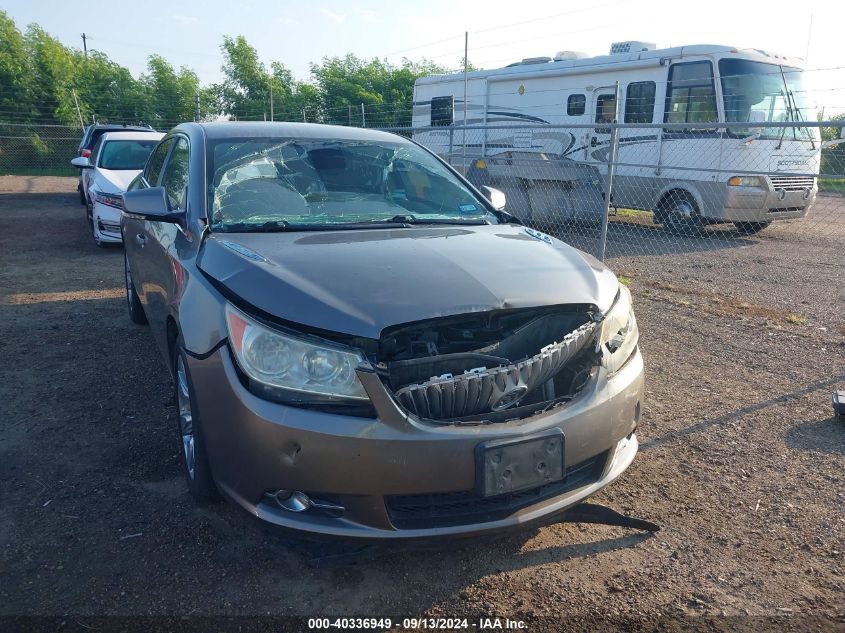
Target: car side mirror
[151, 204]
[82, 162]
[495, 196]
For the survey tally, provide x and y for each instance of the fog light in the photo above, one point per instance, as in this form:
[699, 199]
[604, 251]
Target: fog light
[297, 501]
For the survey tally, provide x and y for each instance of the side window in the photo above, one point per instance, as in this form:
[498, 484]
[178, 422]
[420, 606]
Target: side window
[639, 102]
[605, 111]
[175, 176]
[690, 94]
[95, 151]
[576, 105]
[442, 110]
[156, 161]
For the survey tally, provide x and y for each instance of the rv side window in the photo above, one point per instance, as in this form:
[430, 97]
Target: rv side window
[691, 95]
[442, 109]
[639, 102]
[576, 105]
[605, 111]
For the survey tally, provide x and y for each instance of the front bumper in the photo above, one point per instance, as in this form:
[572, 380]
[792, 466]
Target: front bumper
[106, 222]
[366, 464]
[754, 204]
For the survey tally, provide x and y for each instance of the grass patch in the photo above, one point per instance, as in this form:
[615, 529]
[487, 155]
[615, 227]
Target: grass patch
[832, 185]
[632, 213]
[41, 171]
[625, 281]
[796, 319]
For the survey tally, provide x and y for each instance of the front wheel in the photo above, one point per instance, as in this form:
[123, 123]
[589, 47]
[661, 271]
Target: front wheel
[194, 457]
[679, 214]
[750, 228]
[136, 310]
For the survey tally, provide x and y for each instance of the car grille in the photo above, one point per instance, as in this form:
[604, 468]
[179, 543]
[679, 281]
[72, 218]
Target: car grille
[443, 509]
[479, 391]
[793, 183]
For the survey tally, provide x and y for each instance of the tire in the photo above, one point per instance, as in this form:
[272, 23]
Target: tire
[136, 310]
[82, 199]
[679, 214]
[750, 228]
[191, 443]
[89, 214]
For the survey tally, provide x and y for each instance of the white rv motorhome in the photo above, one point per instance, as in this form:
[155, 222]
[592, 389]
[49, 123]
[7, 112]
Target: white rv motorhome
[689, 174]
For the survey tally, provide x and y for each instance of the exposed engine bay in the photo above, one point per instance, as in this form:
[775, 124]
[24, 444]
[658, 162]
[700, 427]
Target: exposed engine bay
[491, 366]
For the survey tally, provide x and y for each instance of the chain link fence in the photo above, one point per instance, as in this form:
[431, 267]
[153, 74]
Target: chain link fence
[612, 188]
[38, 150]
[643, 188]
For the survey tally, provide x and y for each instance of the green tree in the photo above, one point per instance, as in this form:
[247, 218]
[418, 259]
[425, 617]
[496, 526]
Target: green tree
[386, 90]
[15, 72]
[245, 90]
[169, 96]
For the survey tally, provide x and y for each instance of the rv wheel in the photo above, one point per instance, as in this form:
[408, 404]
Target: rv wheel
[679, 213]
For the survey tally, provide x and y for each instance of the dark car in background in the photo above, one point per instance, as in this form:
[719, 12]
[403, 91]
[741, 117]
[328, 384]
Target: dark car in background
[91, 135]
[364, 345]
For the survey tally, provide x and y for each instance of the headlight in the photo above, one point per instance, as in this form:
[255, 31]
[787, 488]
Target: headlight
[619, 332]
[108, 199]
[298, 368]
[746, 181]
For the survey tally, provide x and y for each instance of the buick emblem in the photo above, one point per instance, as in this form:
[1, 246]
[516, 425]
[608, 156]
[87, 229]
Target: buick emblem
[510, 398]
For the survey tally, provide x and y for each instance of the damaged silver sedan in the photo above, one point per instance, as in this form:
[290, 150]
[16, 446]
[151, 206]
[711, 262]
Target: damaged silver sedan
[364, 345]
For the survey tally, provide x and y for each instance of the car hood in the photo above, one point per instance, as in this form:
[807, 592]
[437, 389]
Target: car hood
[115, 180]
[359, 282]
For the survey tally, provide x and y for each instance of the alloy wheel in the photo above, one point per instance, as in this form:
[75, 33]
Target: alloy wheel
[186, 423]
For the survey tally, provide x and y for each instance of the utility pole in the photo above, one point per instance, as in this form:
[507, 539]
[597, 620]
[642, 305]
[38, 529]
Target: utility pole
[363, 120]
[85, 44]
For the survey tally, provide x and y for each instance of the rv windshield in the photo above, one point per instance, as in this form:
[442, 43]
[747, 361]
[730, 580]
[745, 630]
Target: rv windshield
[759, 93]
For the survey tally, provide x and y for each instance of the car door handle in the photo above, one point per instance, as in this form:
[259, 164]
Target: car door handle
[141, 240]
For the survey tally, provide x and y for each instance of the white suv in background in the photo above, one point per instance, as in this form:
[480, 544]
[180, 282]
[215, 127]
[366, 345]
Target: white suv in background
[115, 160]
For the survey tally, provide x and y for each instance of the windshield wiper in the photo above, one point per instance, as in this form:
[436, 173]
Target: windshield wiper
[396, 222]
[412, 219]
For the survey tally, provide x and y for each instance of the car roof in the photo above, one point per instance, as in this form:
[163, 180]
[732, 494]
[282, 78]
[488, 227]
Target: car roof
[132, 136]
[119, 126]
[267, 129]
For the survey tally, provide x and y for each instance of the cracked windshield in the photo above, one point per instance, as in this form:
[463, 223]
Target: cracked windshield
[290, 184]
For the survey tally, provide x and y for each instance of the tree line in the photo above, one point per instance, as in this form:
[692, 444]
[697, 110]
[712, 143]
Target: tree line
[42, 81]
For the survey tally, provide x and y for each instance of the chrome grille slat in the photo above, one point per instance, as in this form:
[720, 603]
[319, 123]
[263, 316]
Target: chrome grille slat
[793, 183]
[477, 392]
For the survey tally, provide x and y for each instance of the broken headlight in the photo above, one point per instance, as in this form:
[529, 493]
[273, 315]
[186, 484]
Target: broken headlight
[619, 332]
[292, 365]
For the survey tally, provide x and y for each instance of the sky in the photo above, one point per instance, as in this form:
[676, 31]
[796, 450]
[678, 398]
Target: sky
[500, 31]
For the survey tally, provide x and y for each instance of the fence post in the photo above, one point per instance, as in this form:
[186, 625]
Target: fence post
[196, 106]
[363, 119]
[611, 166]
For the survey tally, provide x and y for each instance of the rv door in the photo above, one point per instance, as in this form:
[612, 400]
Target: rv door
[604, 113]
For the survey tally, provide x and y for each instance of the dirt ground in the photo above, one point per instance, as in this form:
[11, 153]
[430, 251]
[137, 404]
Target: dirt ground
[742, 463]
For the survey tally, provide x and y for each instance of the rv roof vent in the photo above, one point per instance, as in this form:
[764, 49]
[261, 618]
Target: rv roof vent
[536, 60]
[561, 56]
[618, 48]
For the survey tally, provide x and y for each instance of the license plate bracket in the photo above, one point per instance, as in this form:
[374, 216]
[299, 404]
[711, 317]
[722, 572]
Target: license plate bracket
[509, 465]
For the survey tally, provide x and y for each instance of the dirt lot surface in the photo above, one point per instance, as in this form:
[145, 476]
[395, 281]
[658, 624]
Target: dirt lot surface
[742, 464]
